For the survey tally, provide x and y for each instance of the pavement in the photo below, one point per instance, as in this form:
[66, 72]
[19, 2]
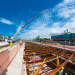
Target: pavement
[4, 43]
[15, 67]
[3, 49]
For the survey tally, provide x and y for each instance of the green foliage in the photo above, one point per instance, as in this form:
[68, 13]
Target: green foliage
[54, 38]
[66, 39]
[72, 40]
[33, 40]
[18, 39]
[46, 39]
[4, 37]
[41, 39]
[9, 37]
[37, 38]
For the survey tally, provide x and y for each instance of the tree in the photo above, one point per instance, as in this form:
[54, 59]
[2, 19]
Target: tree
[4, 37]
[72, 40]
[41, 39]
[9, 37]
[37, 38]
[66, 39]
[54, 38]
[46, 39]
[19, 39]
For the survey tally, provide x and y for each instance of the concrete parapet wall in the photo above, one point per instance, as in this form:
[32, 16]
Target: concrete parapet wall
[7, 56]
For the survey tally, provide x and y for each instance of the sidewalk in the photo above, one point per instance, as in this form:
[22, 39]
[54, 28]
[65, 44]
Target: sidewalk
[4, 43]
[15, 67]
[5, 48]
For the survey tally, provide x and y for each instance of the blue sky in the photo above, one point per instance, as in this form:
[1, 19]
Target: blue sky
[16, 13]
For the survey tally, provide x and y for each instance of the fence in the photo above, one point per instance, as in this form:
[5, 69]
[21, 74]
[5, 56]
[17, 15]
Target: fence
[7, 56]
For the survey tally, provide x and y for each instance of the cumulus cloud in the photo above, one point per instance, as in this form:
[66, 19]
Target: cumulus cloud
[67, 11]
[68, 1]
[59, 18]
[3, 20]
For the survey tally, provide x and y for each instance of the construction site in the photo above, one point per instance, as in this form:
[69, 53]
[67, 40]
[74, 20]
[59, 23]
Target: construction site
[51, 59]
[45, 46]
[35, 58]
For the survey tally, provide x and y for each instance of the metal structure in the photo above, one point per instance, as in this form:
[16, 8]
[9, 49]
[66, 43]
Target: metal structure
[49, 60]
[28, 23]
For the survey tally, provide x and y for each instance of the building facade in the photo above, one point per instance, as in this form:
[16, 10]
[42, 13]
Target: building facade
[1, 36]
[63, 37]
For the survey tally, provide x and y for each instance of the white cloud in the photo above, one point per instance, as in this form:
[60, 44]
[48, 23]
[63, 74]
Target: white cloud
[6, 21]
[57, 24]
[66, 12]
[19, 26]
[52, 24]
[10, 33]
[68, 1]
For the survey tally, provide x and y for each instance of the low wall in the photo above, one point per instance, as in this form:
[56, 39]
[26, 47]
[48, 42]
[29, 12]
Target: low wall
[7, 56]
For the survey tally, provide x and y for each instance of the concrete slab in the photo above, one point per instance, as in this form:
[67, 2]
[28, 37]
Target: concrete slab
[15, 67]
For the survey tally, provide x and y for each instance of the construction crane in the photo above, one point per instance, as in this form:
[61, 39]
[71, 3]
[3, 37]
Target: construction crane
[27, 24]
